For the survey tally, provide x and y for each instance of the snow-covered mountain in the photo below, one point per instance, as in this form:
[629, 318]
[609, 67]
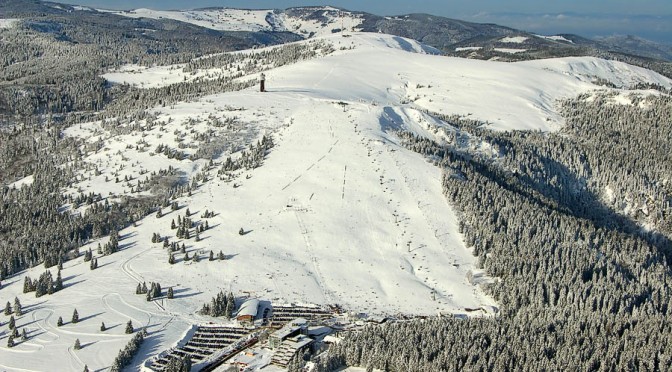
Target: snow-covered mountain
[506, 95]
[339, 212]
[305, 21]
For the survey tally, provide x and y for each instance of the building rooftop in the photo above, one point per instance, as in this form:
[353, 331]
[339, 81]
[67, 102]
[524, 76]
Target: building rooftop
[249, 307]
[290, 328]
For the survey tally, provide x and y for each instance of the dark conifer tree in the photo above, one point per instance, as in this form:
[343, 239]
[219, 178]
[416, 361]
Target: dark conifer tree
[17, 307]
[230, 305]
[75, 316]
[27, 285]
[58, 285]
[129, 327]
[59, 322]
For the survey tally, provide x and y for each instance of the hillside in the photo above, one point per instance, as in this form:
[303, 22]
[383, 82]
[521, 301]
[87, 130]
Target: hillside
[337, 212]
[487, 210]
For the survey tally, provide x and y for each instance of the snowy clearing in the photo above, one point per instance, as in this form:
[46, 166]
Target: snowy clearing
[462, 49]
[509, 50]
[555, 38]
[7, 23]
[514, 39]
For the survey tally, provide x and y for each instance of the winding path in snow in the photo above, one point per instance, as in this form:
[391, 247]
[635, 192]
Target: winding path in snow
[128, 270]
[125, 314]
[41, 324]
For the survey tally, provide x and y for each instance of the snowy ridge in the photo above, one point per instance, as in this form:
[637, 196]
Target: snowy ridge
[518, 95]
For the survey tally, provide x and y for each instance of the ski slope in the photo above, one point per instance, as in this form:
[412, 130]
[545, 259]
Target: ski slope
[339, 212]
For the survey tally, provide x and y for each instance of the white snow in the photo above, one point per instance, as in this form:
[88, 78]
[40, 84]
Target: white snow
[461, 49]
[510, 50]
[6, 23]
[556, 38]
[336, 20]
[518, 95]
[339, 212]
[28, 180]
[514, 39]
[588, 69]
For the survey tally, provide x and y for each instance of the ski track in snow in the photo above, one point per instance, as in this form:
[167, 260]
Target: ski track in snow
[42, 324]
[75, 362]
[313, 258]
[126, 304]
[128, 270]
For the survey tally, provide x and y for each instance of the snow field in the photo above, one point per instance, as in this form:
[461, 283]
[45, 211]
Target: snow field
[514, 39]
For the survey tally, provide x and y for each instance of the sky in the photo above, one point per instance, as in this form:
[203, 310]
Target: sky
[651, 19]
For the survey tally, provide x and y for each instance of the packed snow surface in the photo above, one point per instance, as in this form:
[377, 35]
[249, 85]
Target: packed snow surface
[339, 212]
